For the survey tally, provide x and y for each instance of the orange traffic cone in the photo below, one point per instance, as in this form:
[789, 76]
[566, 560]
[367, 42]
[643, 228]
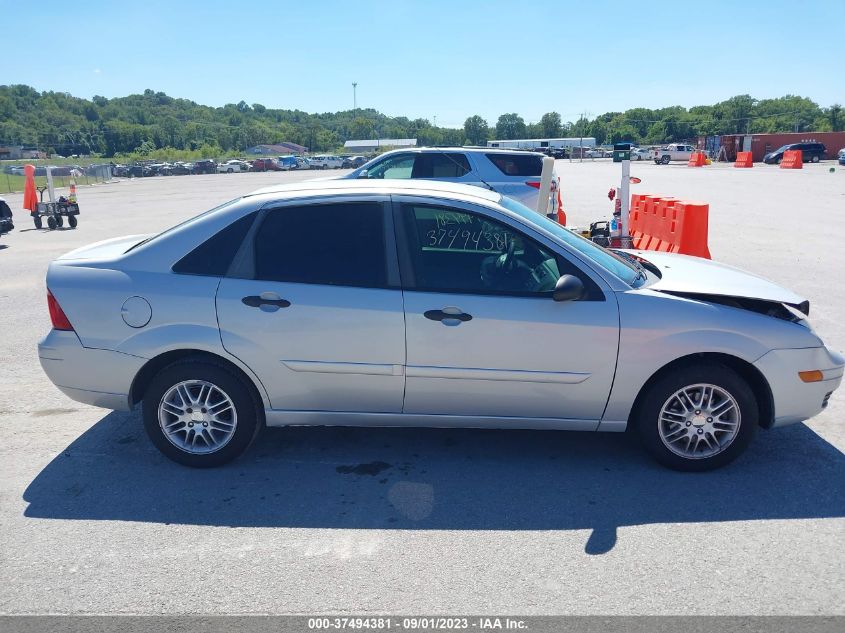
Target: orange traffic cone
[72, 195]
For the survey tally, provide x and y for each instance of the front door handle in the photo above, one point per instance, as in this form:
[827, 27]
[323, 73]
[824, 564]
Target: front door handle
[265, 299]
[448, 316]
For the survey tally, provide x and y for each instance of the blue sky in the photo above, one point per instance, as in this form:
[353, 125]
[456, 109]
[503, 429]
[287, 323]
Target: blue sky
[444, 59]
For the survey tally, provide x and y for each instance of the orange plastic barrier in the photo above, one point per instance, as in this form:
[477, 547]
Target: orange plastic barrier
[792, 159]
[661, 223]
[697, 159]
[743, 159]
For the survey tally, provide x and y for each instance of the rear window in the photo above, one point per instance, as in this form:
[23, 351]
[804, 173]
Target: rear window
[524, 165]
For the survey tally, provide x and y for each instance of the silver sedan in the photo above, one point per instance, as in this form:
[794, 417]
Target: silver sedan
[408, 303]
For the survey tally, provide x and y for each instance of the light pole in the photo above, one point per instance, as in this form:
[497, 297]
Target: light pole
[354, 96]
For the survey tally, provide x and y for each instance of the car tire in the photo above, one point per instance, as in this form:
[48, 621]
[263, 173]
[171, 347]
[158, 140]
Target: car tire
[230, 170]
[37, 221]
[778, 161]
[220, 432]
[815, 159]
[670, 414]
[51, 223]
[72, 221]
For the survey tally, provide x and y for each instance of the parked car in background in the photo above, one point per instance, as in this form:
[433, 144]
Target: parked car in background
[266, 164]
[638, 153]
[554, 152]
[512, 173]
[286, 163]
[205, 166]
[842, 156]
[810, 153]
[160, 169]
[182, 168]
[410, 303]
[326, 162]
[673, 151]
[233, 166]
[353, 162]
[302, 163]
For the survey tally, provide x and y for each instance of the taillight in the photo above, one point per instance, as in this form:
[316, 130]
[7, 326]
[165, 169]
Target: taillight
[530, 183]
[57, 315]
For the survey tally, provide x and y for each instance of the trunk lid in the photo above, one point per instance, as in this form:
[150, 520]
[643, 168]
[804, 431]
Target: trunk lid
[107, 249]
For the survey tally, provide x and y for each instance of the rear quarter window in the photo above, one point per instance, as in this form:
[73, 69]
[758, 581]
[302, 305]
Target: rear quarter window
[214, 256]
[523, 165]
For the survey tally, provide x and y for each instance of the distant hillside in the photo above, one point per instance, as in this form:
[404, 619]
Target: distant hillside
[144, 122]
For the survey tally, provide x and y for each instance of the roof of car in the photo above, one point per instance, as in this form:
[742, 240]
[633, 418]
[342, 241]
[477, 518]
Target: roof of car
[487, 150]
[381, 186]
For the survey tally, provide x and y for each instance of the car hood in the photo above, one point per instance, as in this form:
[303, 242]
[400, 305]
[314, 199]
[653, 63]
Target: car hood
[694, 275]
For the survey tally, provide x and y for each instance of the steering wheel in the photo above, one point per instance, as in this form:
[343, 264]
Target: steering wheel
[506, 261]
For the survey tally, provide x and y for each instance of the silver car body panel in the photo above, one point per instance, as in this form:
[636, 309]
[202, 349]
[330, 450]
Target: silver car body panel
[683, 273]
[366, 356]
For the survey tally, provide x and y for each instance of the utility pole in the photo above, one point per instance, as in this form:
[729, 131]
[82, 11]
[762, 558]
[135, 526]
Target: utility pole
[435, 120]
[354, 96]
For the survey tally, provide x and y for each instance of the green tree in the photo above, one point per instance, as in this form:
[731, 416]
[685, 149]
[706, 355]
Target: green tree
[834, 114]
[550, 124]
[510, 126]
[475, 130]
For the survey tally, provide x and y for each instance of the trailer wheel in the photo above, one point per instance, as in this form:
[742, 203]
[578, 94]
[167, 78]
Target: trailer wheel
[37, 221]
[60, 221]
[51, 222]
[72, 222]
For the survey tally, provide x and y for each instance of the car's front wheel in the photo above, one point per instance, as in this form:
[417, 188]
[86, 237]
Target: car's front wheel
[200, 414]
[697, 418]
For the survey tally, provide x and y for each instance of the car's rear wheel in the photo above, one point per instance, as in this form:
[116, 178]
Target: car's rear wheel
[199, 414]
[697, 418]
[664, 160]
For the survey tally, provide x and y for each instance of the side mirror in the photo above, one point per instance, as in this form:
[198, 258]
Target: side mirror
[568, 288]
[363, 174]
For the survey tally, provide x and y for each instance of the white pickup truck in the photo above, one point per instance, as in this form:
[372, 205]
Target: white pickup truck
[673, 151]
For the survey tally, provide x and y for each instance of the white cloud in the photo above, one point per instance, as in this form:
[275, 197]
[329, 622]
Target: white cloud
[97, 71]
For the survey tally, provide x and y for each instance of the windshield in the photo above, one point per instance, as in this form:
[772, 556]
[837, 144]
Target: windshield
[608, 260]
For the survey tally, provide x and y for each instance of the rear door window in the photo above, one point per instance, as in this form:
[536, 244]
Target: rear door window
[338, 244]
[440, 165]
[522, 165]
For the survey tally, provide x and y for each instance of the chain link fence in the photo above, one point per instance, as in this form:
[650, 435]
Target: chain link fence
[12, 175]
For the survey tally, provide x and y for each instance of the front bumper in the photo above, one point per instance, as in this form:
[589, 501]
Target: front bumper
[795, 400]
[98, 377]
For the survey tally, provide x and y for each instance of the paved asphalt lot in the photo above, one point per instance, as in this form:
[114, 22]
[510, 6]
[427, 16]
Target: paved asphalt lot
[94, 520]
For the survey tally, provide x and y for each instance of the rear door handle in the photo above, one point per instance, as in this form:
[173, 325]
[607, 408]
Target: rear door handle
[448, 316]
[266, 299]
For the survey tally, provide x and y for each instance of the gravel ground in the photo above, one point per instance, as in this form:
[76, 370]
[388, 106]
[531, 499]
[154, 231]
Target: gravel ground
[94, 520]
